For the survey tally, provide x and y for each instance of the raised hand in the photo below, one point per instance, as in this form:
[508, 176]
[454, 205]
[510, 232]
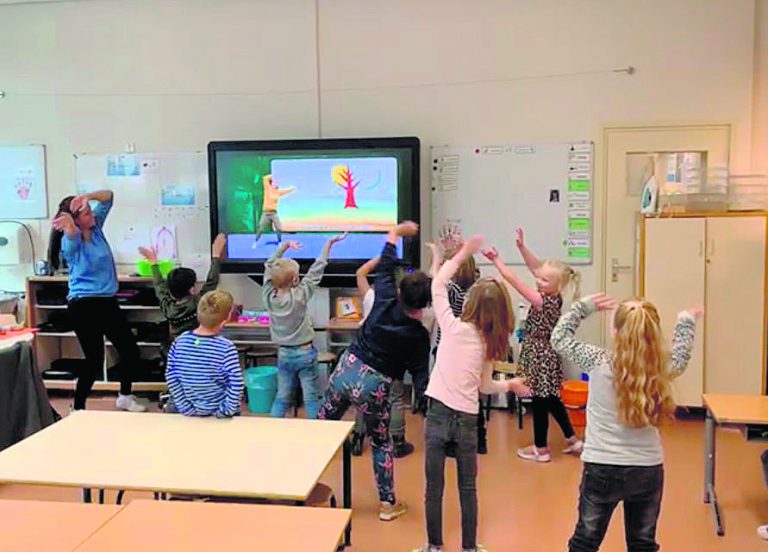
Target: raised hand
[219, 244]
[149, 254]
[696, 312]
[407, 228]
[296, 246]
[337, 239]
[64, 223]
[490, 253]
[520, 241]
[602, 301]
[474, 243]
[77, 203]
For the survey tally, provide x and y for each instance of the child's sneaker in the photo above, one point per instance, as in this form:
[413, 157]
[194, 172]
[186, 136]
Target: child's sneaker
[534, 454]
[762, 532]
[574, 447]
[390, 512]
[478, 548]
[129, 404]
[428, 548]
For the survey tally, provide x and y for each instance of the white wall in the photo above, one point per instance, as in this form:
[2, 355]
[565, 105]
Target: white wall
[383, 69]
[760, 101]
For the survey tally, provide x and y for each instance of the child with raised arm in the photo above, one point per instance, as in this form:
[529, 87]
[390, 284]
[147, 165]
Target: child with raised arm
[541, 367]
[468, 347]
[630, 395]
[397, 395]
[178, 295]
[286, 297]
[391, 340]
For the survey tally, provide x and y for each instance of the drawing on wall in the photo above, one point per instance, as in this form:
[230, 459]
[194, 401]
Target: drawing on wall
[126, 164]
[164, 241]
[175, 195]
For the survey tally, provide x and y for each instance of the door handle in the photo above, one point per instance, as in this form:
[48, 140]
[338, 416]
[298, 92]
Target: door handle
[616, 268]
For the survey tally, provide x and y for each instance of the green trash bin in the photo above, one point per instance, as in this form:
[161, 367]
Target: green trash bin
[261, 386]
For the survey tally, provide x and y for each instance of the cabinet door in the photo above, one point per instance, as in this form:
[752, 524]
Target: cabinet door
[674, 281]
[735, 333]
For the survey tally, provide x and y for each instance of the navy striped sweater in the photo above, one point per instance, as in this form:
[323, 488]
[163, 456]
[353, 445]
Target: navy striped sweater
[204, 376]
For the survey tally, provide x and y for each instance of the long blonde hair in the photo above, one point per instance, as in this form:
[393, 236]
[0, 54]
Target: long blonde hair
[489, 308]
[568, 277]
[641, 371]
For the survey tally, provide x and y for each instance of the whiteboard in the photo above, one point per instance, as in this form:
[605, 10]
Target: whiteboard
[546, 189]
[23, 193]
[159, 197]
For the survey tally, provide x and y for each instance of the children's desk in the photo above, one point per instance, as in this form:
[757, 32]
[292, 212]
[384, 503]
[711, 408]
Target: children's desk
[202, 527]
[737, 410]
[32, 526]
[251, 457]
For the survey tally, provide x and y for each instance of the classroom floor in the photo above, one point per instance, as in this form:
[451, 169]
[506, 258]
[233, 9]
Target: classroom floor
[527, 507]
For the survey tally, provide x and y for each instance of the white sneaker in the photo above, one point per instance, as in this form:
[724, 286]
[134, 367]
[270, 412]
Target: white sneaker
[533, 454]
[574, 448]
[129, 404]
[762, 532]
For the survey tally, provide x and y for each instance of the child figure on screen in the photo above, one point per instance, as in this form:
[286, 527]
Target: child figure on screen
[272, 194]
[286, 298]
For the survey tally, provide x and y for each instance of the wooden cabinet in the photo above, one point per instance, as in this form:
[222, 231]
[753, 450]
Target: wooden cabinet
[50, 345]
[715, 261]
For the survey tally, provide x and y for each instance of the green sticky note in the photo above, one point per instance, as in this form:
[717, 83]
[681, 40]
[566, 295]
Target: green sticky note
[578, 185]
[579, 224]
[579, 252]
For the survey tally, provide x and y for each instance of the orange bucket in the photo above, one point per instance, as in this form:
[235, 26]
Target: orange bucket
[574, 395]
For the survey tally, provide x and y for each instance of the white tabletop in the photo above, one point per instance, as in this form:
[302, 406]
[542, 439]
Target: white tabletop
[242, 456]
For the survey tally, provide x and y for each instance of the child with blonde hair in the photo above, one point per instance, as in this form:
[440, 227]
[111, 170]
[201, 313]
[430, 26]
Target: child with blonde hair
[541, 367]
[468, 347]
[630, 395]
[287, 297]
[204, 375]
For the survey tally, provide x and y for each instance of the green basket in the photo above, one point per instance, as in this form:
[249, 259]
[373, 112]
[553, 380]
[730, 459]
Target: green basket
[144, 267]
[261, 386]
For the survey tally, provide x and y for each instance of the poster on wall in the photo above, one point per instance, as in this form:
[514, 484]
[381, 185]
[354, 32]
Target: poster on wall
[23, 192]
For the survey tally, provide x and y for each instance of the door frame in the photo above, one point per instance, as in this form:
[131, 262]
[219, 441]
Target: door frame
[602, 180]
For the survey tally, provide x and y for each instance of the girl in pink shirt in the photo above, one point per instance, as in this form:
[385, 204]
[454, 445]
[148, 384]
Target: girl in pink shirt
[468, 347]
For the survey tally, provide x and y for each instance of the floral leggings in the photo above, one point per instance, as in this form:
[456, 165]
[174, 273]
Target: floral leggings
[355, 383]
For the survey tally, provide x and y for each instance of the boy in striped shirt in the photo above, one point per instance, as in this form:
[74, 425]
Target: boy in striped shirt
[204, 375]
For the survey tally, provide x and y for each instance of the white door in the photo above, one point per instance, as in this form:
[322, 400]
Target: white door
[735, 354]
[674, 281]
[622, 146]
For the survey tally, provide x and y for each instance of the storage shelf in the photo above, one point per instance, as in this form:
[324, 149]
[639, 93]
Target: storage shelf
[108, 343]
[106, 385]
[123, 307]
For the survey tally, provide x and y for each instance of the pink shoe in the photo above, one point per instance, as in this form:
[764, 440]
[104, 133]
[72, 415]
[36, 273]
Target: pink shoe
[534, 454]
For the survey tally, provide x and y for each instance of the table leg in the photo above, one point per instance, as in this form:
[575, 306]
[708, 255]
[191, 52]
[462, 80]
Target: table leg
[87, 496]
[710, 496]
[347, 502]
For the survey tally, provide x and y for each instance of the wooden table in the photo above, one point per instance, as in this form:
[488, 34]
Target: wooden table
[726, 410]
[32, 526]
[202, 527]
[280, 459]
[9, 339]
